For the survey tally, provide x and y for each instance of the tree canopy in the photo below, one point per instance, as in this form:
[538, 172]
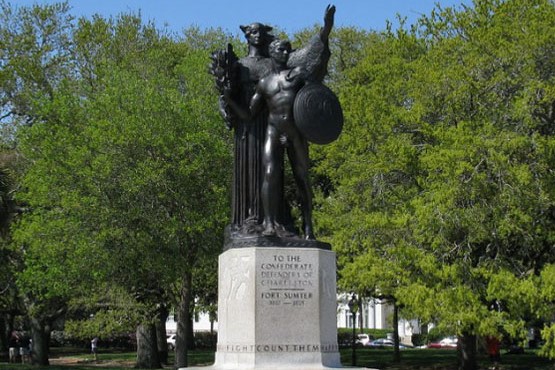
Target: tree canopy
[443, 178]
[127, 180]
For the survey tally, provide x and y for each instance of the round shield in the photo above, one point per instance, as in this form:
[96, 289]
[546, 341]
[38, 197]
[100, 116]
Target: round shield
[318, 114]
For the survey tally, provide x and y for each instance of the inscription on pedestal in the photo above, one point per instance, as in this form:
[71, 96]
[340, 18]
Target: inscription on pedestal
[261, 348]
[286, 280]
[278, 309]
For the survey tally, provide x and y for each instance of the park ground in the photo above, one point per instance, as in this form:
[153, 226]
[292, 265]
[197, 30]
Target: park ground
[412, 359]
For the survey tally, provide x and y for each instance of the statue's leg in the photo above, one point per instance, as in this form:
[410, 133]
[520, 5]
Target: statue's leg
[298, 156]
[272, 160]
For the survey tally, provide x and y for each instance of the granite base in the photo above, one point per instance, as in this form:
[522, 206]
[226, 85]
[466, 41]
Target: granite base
[277, 309]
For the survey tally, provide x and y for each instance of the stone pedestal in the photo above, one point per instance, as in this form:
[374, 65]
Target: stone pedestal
[277, 309]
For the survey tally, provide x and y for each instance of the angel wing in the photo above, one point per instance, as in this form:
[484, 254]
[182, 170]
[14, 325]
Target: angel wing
[314, 57]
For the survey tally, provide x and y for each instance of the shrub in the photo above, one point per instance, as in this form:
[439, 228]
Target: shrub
[419, 339]
[205, 340]
[436, 334]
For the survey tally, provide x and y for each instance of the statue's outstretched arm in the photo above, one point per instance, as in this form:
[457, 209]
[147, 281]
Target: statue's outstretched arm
[328, 22]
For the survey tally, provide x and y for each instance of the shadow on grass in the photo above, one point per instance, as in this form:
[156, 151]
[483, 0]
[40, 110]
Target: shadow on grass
[411, 359]
[79, 359]
[439, 359]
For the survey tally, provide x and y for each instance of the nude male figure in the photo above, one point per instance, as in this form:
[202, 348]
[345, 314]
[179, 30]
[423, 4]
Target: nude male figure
[277, 91]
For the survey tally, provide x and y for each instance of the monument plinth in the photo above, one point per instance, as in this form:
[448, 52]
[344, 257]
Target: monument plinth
[277, 309]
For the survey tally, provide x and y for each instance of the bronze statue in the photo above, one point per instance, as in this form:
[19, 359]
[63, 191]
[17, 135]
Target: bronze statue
[258, 99]
[278, 91]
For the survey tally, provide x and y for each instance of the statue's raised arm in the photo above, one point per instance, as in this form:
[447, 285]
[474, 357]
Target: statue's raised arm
[314, 56]
[328, 23]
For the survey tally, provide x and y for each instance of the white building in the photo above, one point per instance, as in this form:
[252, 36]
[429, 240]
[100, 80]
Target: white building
[200, 323]
[375, 314]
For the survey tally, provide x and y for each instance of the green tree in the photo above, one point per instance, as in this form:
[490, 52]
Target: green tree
[487, 194]
[34, 54]
[444, 171]
[372, 168]
[10, 305]
[127, 163]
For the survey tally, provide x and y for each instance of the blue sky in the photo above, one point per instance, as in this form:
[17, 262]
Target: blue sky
[289, 15]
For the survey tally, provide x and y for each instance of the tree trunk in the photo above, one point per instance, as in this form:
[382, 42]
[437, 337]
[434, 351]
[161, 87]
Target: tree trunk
[6, 333]
[362, 311]
[212, 320]
[147, 349]
[212, 341]
[40, 334]
[183, 322]
[467, 352]
[396, 352]
[191, 334]
[161, 335]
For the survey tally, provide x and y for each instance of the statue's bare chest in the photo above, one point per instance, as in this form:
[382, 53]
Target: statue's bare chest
[282, 82]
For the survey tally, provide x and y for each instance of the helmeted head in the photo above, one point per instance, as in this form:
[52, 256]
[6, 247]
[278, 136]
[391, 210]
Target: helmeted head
[257, 34]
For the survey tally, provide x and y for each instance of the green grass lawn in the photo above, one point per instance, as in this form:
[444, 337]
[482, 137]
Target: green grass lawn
[439, 359]
[411, 359]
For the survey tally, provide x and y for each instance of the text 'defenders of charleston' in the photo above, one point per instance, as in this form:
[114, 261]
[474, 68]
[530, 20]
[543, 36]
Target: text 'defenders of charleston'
[286, 280]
